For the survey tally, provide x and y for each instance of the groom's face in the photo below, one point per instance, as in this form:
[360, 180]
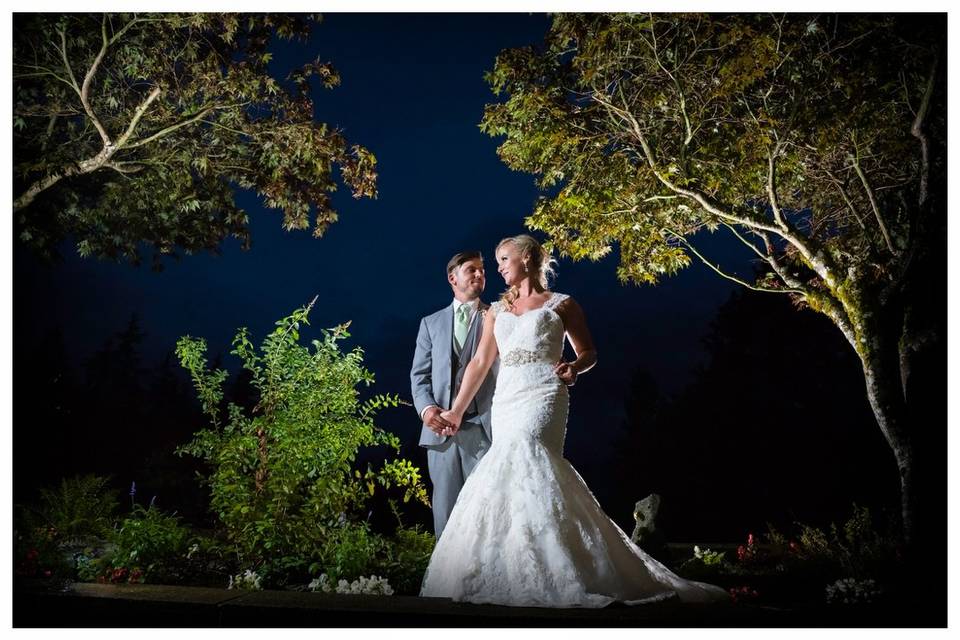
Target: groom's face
[468, 279]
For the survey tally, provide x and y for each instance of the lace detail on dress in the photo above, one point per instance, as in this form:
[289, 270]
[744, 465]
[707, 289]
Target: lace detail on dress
[555, 300]
[526, 530]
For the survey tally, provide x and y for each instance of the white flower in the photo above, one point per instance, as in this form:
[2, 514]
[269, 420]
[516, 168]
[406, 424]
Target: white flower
[247, 580]
[320, 584]
[852, 591]
[374, 585]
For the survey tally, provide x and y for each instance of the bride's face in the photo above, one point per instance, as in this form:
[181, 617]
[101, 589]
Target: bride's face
[510, 264]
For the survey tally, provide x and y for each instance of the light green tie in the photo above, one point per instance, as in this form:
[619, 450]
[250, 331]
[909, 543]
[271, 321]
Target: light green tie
[461, 324]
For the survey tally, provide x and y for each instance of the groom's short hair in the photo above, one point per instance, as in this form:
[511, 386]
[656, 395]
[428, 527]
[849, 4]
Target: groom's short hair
[460, 258]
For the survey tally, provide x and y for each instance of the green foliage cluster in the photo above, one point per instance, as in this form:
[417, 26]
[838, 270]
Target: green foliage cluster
[79, 508]
[705, 564]
[78, 513]
[133, 128]
[800, 566]
[77, 532]
[859, 549]
[149, 544]
[284, 480]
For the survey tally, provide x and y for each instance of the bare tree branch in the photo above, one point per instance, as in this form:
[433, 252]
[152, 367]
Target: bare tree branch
[716, 268]
[873, 201]
[81, 92]
[170, 129]
[917, 131]
[846, 199]
[141, 108]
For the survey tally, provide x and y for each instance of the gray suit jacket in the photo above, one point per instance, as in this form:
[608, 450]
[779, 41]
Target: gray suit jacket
[437, 371]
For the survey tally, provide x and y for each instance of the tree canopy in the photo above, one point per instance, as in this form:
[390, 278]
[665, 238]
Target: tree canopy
[141, 128]
[647, 128]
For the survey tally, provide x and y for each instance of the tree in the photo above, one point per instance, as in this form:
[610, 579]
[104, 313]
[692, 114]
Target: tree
[133, 128]
[818, 142]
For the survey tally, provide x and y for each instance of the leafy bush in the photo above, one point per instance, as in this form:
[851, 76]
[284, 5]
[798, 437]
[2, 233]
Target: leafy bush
[409, 554]
[149, 547]
[77, 514]
[860, 549]
[80, 507]
[284, 480]
[352, 550]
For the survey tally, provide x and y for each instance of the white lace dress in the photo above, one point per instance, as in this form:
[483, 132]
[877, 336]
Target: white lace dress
[526, 530]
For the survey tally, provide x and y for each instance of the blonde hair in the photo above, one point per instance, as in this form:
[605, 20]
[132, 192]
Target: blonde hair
[540, 264]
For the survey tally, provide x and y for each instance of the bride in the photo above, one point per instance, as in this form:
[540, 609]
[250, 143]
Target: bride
[525, 530]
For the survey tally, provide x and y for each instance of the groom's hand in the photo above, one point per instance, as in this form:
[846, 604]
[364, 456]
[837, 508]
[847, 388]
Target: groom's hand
[453, 420]
[434, 422]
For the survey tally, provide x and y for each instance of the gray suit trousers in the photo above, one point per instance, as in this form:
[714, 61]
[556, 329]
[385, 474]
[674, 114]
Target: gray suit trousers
[449, 464]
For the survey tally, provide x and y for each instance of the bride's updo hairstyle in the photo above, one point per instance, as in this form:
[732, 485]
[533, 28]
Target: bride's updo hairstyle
[539, 264]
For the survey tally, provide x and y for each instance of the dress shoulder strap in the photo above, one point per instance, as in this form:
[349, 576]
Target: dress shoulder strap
[555, 300]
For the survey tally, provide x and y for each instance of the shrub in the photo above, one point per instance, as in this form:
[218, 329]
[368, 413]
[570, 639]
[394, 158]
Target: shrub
[79, 513]
[80, 507]
[859, 549]
[284, 479]
[409, 554]
[149, 546]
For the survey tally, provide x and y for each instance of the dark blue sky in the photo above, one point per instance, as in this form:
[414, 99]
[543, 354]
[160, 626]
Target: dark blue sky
[413, 93]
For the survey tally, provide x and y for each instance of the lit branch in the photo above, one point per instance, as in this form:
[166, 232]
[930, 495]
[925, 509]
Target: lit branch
[170, 129]
[772, 188]
[723, 274]
[917, 130]
[843, 194]
[873, 202]
[141, 109]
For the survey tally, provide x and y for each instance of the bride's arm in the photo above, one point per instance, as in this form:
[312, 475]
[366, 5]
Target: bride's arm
[476, 370]
[575, 324]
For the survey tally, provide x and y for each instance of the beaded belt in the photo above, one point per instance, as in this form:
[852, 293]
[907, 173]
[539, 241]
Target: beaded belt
[517, 357]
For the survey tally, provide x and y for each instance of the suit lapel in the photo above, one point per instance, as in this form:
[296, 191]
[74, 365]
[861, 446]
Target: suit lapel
[445, 331]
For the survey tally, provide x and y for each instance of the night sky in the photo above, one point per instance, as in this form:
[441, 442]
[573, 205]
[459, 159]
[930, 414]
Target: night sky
[413, 93]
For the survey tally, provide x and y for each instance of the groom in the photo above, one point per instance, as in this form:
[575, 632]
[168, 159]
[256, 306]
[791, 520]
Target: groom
[446, 342]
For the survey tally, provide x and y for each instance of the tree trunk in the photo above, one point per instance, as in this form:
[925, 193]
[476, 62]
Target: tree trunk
[880, 357]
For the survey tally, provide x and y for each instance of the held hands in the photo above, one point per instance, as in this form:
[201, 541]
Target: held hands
[434, 421]
[453, 420]
[566, 372]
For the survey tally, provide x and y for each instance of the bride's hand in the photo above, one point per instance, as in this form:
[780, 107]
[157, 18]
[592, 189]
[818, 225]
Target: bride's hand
[566, 373]
[454, 419]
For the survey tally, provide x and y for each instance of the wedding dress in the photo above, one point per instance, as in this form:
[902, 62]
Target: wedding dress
[526, 530]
